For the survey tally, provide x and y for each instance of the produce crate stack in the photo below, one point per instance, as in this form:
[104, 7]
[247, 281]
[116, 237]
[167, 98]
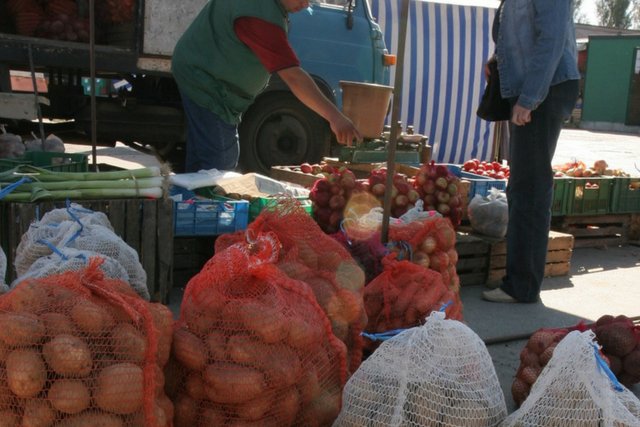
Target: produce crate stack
[473, 259]
[595, 230]
[558, 263]
[189, 256]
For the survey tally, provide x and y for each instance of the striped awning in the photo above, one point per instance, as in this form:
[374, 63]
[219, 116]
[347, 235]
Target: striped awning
[446, 47]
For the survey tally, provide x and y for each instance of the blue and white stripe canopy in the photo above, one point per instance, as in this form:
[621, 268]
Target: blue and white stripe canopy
[447, 44]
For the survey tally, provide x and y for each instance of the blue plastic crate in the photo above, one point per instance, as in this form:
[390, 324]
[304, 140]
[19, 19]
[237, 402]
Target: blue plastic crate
[481, 185]
[209, 217]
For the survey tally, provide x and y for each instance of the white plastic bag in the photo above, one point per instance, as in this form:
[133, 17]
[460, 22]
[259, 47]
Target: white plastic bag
[576, 388]
[438, 374]
[3, 270]
[489, 215]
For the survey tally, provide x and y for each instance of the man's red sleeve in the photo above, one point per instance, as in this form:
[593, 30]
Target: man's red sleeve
[268, 41]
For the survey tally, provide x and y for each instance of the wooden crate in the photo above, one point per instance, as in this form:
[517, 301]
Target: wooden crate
[595, 230]
[145, 225]
[559, 251]
[286, 174]
[189, 256]
[473, 259]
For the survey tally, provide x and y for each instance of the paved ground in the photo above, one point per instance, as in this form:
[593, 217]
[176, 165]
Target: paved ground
[602, 281]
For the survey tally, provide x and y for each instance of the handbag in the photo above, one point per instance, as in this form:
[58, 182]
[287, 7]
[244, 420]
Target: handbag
[493, 107]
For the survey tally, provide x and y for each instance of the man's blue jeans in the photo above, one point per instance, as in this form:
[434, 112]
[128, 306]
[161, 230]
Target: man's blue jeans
[530, 191]
[211, 142]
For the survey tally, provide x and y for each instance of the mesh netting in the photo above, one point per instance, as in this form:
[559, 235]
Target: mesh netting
[252, 346]
[3, 266]
[438, 374]
[577, 389]
[43, 240]
[69, 259]
[403, 295]
[82, 350]
[76, 212]
[310, 255]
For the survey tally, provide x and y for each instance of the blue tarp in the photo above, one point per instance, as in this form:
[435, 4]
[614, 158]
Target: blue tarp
[446, 48]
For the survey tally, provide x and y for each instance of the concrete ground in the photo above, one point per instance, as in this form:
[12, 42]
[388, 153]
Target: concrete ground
[602, 280]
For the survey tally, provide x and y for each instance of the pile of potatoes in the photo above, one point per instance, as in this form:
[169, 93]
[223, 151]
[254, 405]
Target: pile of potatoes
[74, 355]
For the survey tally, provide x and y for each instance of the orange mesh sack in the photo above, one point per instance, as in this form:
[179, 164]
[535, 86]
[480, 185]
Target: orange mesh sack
[432, 242]
[436, 374]
[403, 295]
[252, 346]
[82, 350]
[310, 255]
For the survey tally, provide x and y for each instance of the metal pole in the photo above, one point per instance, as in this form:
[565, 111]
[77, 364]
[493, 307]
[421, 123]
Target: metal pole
[92, 73]
[395, 114]
[35, 92]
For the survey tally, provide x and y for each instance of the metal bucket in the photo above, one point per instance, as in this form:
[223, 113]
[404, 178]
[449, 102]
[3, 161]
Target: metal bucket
[367, 105]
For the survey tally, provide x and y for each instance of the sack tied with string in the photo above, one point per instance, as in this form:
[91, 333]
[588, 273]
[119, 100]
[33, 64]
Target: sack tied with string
[79, 349]
[437, 374]
[310, 255]
[577, 389]
[253, 347]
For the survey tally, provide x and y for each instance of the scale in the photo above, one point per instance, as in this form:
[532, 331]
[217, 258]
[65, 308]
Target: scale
[411, 149]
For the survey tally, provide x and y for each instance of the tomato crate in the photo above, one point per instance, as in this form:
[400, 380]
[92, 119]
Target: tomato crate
[561, 195]
[53, 161]
[590, 196]
[479, 184]
[258, 204]
[209, 217]
[626, 195]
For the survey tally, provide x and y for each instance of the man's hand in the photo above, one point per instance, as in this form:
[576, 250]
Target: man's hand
[344, 129]
[520, 116]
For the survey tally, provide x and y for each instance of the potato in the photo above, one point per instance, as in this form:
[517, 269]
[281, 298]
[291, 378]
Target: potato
[189, 350]
[92, 419]
[229, 383]
[186, 411]
[309, 385]
[267, 322]
[217, 344]
[255, 409]
[287, 406]
[68, 356]
[28, 296]
[91, 318]
[166, 405]
[302, 335]
[26, 372]
[163, 321]
[21, 329]
[9, 419]
[38, 413]
[69, 396]
[160, 379]
[212, 416]
[7, 399]
[57, 324]
[194, 386]
[120, 388]
[129, 344]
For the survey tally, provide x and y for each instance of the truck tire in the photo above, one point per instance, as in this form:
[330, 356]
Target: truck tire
[279, 130]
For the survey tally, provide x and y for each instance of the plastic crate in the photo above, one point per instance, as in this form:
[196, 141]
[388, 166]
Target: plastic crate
[258, 204]
[626, 195]
[53, 161]
[590, 196]
[561, 195]
[209, 217]
[479, 184]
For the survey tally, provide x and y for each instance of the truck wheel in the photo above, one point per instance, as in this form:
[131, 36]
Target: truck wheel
[279, 130]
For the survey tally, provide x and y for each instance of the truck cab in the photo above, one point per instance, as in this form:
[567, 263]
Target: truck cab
[334, 39]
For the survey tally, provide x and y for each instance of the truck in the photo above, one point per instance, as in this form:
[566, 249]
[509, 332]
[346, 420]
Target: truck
[138, 102]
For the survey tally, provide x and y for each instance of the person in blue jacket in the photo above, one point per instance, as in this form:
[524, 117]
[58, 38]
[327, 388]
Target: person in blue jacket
[538, 66]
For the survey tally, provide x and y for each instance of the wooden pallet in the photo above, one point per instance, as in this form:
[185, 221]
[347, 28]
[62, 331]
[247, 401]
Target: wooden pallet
[189, 256]
[145, 225]
[595, 231]
[473, 259]
[559, 251]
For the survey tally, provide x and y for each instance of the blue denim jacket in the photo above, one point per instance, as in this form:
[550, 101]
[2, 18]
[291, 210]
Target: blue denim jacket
[536, 48]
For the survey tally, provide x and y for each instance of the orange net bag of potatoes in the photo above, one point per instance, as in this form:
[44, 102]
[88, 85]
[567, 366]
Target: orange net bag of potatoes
[81, 350]
[310, 255]
[403, 295]
[253, 347]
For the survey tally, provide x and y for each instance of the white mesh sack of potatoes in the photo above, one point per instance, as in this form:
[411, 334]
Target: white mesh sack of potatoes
[437, 374]
[576, 388]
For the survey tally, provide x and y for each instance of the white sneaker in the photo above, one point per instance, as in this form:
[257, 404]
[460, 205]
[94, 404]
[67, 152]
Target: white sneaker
[498, 295]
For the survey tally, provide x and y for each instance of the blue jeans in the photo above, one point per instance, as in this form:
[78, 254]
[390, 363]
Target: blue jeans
[530, 191]
[211, 142]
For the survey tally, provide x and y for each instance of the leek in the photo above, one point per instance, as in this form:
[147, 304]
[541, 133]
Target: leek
[39, 174]
[78, 185]
[89, 193]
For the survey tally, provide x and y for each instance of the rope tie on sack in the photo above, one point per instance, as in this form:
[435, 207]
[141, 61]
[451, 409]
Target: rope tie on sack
[53, 248]
[11, 187]
[605, 368]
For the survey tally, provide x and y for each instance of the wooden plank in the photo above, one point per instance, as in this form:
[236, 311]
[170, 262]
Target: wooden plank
[164, 268]
[283, 173]
[558, 240]
[599, 242]
[148, 241]
[133, 224]
[597, 231]
[467, 264]
[559, 256]
[117, 216]
[472, 279]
